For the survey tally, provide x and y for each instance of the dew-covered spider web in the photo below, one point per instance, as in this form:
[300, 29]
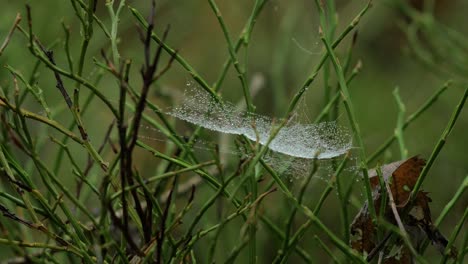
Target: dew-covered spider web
[290, 153]
[304, 141]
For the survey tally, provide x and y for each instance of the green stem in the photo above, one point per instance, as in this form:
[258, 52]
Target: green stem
[232, 53]
[352, 120]
[440, 144]
[115, 17]
[408, 121]
[400, 124]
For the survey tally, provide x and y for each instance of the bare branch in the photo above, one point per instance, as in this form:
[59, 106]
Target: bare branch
[10, 33]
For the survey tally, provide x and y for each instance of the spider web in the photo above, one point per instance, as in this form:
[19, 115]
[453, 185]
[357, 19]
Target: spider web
[306, 141]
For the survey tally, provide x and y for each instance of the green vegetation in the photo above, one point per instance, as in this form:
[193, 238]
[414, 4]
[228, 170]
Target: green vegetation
[93, 169]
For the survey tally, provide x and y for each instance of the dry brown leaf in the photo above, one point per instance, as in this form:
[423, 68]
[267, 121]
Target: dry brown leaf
[402, 177]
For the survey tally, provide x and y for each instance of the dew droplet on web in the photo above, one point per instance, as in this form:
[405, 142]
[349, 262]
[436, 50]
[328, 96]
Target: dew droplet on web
[307, 141]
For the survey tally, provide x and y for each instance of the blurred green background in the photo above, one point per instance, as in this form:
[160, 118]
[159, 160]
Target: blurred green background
[284, 48]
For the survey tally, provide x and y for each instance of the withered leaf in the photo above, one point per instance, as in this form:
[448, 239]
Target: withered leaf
[401, 177]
